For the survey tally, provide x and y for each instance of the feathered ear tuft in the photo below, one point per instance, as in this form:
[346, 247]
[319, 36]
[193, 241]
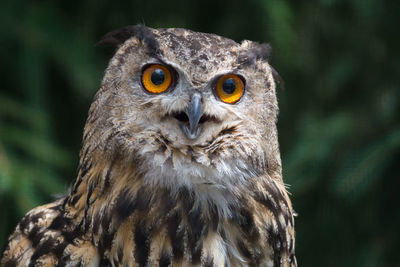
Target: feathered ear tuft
[259, 51]
[256, 51]
[117, 37]
[253, 51]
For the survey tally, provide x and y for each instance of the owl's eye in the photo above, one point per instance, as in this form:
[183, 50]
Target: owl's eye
[156, 78]
[230, 88]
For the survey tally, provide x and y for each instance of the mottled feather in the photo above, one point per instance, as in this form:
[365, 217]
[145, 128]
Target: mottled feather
[148, 195]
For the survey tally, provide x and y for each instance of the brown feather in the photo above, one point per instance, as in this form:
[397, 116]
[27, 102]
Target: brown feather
[145, 194]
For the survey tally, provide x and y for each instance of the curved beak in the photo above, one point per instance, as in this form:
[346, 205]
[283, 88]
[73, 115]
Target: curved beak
[194, 113]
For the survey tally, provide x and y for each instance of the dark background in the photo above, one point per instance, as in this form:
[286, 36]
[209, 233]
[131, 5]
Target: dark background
[339, 124]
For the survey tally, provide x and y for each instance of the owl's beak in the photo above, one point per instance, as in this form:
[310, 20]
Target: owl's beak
[194, 113]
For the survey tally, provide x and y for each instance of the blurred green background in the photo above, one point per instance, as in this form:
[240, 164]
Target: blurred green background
[339, 123]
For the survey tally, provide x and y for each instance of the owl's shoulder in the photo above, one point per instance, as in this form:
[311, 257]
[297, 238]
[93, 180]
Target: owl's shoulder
[25, 240]
[39, 239]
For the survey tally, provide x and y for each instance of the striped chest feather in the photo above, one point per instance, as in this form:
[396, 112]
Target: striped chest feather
[140, 225]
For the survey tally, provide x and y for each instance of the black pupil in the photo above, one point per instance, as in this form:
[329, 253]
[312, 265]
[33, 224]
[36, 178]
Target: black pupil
[158, 76]
[229, 86]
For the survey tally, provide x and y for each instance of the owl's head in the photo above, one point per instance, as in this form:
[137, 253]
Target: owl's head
[174, 99]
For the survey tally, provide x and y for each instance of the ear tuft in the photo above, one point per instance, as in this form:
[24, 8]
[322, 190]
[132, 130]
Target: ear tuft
[117, 37]
[259, 51]
[253, 52]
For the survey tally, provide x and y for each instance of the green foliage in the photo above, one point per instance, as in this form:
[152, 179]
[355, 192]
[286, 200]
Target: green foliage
[339, 123]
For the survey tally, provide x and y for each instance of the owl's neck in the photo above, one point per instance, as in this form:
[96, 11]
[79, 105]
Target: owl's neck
[123, 212]
[125, 208]
[120, 188]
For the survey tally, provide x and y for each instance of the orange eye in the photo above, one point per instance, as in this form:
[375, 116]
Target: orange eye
[230, 88]
[156, 78]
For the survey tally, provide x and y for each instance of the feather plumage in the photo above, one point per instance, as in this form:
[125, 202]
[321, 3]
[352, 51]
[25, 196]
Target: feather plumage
[146, 194]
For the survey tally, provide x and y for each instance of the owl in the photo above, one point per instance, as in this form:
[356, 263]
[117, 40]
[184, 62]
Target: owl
[180, 163]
